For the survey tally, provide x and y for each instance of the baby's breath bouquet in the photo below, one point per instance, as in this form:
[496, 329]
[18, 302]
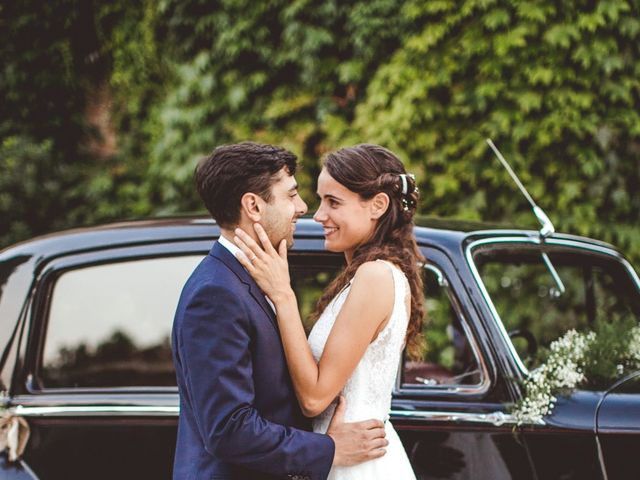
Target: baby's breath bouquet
[589, 360]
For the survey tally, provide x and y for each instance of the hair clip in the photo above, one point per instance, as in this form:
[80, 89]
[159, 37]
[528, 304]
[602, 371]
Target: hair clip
[405, 184]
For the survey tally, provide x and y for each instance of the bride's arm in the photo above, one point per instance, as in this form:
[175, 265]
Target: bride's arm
[367, 307]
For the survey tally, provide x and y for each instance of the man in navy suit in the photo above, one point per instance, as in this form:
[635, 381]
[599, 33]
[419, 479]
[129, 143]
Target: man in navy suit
[239, 417]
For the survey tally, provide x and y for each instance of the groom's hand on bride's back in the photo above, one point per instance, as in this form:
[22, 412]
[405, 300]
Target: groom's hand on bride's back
[356, 442]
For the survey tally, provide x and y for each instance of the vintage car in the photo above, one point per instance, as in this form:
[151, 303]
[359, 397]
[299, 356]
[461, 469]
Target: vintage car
[86, 315]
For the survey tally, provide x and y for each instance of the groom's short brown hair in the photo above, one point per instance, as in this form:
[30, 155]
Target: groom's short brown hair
[230, 171]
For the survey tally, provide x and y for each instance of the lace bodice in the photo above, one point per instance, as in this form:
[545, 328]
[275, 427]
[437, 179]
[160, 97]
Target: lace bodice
[368, 391]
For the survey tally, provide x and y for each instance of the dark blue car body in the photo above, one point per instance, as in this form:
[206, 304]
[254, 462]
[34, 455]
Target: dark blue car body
[127, 429]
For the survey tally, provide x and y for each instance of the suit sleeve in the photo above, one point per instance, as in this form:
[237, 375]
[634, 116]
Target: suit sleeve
[217, 364]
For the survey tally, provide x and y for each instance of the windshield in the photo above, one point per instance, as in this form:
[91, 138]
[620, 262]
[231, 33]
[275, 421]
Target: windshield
[600, 294]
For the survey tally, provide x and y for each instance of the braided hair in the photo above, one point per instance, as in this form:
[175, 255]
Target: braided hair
[368, 170]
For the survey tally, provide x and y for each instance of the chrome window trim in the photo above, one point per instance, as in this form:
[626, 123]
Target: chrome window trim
[477, 389]
[536, 241]
[91, 411]
[494, 418]
[633, 273]
[442, 281]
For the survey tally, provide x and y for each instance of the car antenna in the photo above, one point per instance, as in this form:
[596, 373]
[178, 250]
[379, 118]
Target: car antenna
[547, 228]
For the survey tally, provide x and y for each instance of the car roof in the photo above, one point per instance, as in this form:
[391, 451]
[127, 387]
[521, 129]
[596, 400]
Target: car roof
[448, 233]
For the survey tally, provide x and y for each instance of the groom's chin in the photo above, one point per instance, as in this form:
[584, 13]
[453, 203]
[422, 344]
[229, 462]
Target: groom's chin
[278, 241]
[290, 242]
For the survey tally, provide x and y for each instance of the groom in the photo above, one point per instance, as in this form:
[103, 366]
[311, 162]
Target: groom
[239, 417]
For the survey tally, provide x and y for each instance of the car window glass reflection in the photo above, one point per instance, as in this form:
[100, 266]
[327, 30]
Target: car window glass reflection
[308, 283]
[535, 312]
[110, 325]
[448, 357]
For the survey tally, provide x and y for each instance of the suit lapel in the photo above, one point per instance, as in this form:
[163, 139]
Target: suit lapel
[225, 256]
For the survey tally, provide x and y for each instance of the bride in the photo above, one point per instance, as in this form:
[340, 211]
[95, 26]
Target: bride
[369, 312]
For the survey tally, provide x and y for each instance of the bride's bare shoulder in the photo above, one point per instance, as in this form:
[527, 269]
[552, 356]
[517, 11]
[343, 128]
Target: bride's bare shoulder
[374, 275]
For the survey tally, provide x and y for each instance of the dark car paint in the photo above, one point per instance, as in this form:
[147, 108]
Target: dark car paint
[618, 427]
[108, 444]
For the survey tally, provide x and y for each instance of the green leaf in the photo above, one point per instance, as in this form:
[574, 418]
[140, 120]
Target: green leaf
[494, 19]
[561, 35]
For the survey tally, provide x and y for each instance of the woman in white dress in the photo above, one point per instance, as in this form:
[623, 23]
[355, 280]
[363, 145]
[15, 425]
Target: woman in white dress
[368, 314]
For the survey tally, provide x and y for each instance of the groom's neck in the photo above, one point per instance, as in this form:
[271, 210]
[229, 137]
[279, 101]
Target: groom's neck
[229, 233]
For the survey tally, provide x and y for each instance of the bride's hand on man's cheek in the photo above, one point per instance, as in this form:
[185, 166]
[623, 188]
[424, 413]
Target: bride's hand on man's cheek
[267, 266]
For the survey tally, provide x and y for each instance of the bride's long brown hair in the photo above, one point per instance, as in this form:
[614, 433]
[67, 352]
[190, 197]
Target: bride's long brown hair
[367, 170]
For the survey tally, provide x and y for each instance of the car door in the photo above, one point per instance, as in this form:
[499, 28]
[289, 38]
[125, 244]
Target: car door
[95, 380]
[618, 428]
[450, 406]
[538, 293]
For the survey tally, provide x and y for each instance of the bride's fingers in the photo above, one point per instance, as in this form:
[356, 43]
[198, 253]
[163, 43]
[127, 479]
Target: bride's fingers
[244, 261]
[282, 249]
[247, 256]
[264, 239]
[253, 249]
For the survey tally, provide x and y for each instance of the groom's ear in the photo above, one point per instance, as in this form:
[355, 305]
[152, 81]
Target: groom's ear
[252, 206]
[379, 205]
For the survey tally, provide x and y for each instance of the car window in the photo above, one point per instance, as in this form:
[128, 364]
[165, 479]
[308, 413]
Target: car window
[531, 305]
[309, 278]
[110, 325]
[449, 357]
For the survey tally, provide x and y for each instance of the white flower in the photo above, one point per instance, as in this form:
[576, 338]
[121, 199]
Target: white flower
[565, 370]
[634, 346]
[562, 370]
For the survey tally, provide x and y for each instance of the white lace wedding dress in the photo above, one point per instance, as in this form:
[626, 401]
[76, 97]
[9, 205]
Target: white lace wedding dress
[368, 391]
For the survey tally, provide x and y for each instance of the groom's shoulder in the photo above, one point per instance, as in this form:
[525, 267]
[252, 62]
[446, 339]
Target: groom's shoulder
[210, 284]
[212, 272]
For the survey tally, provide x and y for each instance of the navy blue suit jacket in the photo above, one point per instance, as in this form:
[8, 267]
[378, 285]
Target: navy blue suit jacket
[239, 417]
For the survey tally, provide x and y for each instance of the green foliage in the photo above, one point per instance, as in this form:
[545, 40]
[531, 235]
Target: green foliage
[24, 164]
[439, 349]
[270, 71]
[40, 124]
[607, 359]
[557, 89]
[39, 91]
[56, 58]
[555, 85]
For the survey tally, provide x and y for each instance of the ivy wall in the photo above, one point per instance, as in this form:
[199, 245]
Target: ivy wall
[105, 107]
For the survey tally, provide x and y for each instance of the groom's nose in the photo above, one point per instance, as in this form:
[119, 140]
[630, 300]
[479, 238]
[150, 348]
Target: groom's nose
[301, 207]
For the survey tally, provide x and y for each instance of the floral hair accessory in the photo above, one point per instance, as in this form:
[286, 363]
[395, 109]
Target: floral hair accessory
[406, 201]
[405, 184]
